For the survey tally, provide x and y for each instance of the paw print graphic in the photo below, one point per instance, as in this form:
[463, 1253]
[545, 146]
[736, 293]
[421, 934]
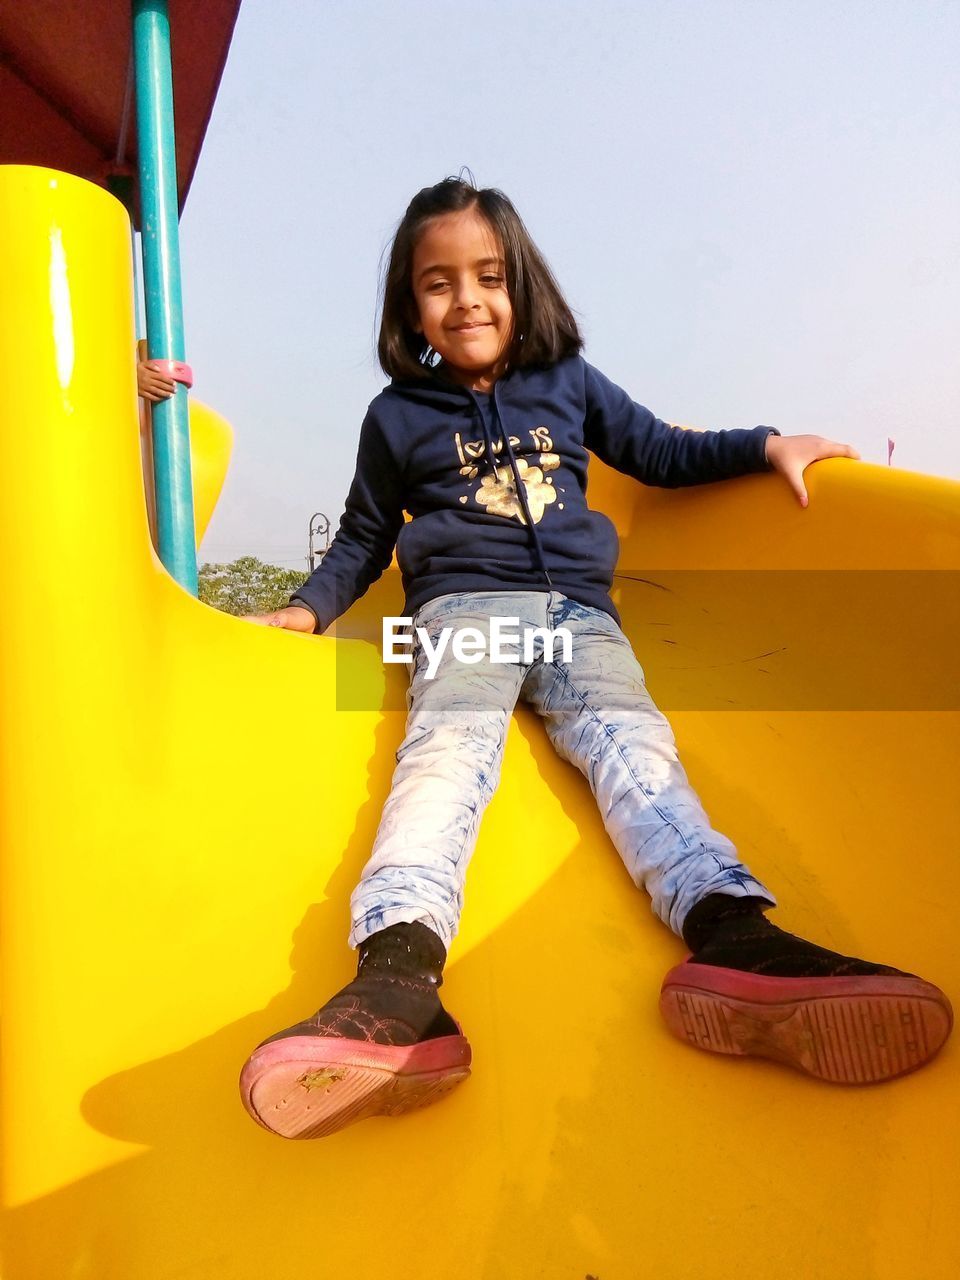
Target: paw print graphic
[499, 495]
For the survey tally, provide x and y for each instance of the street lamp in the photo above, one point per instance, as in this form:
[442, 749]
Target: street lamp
[319, 526]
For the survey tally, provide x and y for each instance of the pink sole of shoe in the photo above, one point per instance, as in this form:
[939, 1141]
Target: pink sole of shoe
[843, 1030]
[311, 1086]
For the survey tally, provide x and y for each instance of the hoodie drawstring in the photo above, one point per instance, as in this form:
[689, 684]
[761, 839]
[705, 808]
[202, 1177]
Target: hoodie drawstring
[517, 480]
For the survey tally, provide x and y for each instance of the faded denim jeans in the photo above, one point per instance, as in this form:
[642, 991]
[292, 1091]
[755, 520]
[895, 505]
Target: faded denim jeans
[598, 716]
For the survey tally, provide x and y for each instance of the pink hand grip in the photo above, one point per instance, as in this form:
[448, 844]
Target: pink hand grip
[174, 369]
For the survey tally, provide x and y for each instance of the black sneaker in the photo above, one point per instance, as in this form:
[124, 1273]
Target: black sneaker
[751, 989]
[382, 1045]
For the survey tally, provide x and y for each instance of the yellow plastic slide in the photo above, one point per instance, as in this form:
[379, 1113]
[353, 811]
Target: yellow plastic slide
[188, 800]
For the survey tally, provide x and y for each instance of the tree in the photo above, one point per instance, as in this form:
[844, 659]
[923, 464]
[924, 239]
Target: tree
[248, 586]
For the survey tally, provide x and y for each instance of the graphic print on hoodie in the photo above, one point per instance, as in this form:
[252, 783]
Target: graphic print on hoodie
[498, 492]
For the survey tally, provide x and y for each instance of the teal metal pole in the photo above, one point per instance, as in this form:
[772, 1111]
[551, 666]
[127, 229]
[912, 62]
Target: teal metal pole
[163, 304]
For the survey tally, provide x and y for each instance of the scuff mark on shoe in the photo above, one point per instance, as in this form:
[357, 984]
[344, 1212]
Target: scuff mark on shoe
[321, 1078]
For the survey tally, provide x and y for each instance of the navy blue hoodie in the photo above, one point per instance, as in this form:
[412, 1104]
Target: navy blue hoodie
[496, 486]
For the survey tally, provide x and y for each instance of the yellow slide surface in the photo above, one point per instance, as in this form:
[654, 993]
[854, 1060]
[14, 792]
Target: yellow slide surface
[188, 800]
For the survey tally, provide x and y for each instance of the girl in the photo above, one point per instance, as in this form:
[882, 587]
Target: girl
[482, 436]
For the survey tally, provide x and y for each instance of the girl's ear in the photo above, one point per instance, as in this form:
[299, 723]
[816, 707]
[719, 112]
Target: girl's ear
[413, 317]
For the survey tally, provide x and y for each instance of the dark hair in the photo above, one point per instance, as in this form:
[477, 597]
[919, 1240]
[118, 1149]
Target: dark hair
[544, 330]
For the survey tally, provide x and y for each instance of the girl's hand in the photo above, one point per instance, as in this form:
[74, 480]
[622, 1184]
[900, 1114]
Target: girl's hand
[791, 455]
[292, 618]
[152, 385]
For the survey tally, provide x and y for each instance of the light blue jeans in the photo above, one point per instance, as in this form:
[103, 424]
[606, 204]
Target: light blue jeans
[598, 716]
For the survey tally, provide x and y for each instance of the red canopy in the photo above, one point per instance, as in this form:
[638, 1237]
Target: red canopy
[65, 68]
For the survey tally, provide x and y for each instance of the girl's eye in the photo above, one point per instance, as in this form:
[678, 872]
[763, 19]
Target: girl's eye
[435, 286]
[491, 279]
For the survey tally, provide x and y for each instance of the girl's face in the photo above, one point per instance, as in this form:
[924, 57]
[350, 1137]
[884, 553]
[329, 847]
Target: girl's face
[460, 288]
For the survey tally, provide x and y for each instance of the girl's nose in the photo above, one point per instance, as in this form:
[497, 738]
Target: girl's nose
[466, 294]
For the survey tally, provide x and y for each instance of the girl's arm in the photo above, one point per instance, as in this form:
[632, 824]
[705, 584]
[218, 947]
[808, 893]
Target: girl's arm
[630, 438]
[364, 543]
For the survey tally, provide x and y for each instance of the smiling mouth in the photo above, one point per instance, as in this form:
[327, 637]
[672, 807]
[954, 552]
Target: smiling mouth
[469, 328]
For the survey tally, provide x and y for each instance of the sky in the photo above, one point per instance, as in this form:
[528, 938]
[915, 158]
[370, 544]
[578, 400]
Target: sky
[752, 207]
